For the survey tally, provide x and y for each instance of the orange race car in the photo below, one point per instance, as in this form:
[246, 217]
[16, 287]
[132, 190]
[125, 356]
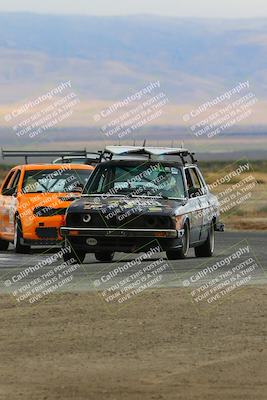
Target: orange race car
[33, 201]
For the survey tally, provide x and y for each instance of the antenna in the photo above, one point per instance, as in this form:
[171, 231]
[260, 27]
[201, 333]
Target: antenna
[144, 144]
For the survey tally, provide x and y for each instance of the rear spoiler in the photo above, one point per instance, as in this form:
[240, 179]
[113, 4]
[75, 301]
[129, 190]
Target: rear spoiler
[26, 154]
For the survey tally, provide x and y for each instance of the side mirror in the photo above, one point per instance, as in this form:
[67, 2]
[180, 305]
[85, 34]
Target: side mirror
[9, 192]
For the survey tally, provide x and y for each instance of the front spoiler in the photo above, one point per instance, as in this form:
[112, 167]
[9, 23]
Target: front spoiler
[41, 242]
[123, 233]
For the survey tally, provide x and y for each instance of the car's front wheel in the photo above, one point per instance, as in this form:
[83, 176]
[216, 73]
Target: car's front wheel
[76, 256]
[183, 251]
[4, 245]
[207, 248]
[18, 237]
[104, 256]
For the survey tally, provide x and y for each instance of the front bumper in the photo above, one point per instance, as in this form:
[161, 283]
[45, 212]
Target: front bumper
[123, 233]
[93, 240]
[42, 229]
[41, 242]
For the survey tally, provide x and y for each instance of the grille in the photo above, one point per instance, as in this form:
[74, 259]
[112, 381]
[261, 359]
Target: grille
[97, 220]
[133, 221]
[47, 233]
[148, 222]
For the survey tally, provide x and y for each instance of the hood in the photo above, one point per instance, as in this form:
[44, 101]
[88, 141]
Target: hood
[111, 204]
[54, 200]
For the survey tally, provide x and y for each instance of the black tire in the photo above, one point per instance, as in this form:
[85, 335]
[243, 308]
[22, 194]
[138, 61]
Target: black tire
[183, 252]
[105, 256]
[207, 248]
[4, 244]
[77, 256]
[20, 248]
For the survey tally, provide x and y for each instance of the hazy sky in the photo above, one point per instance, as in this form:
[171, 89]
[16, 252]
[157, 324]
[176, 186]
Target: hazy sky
[192, 8]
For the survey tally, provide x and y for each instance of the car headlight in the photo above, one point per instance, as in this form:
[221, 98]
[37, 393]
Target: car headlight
[87, 218]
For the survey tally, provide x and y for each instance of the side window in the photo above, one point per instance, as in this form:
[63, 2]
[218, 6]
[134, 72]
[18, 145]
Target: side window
[189, 180]
[194, 182]
[15, 180]
[196, 179]
[101, 180]
[7, 181]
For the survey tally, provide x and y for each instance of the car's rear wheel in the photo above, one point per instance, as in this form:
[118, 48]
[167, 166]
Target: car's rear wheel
[207, 248]
[4, 245]
[104, 256]
[183, 252]
[18, 237]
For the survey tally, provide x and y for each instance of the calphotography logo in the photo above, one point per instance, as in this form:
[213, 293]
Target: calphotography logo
[235, 187]
[49, 275]
[130, 278]
[130, 114]
[44, 112]
[218, 115]
[216, 281]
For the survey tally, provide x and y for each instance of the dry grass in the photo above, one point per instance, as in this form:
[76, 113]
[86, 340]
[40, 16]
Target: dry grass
[251, 214]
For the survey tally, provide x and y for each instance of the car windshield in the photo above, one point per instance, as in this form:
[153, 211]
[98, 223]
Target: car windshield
[55, 180]
[138, 180]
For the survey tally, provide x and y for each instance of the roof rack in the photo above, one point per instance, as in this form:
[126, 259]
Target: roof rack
[26, 154]
[183, 154]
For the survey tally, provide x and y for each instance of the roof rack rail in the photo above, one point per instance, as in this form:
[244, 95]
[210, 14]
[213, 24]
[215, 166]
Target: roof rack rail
[26, 154]
[183, 154]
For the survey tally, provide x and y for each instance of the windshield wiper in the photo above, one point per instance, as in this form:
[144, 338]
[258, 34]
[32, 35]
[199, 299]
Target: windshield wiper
[157, 196]
[38, 191]
[103, 193]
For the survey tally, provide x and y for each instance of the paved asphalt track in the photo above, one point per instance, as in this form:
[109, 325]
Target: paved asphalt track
[88, 274]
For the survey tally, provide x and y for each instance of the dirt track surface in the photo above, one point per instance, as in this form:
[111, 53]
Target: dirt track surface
[159, 346]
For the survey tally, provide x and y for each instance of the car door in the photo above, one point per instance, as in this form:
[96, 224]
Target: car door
[5, 202]
[206, 204]
[194, 206]
[205, 208]
[12, 201]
